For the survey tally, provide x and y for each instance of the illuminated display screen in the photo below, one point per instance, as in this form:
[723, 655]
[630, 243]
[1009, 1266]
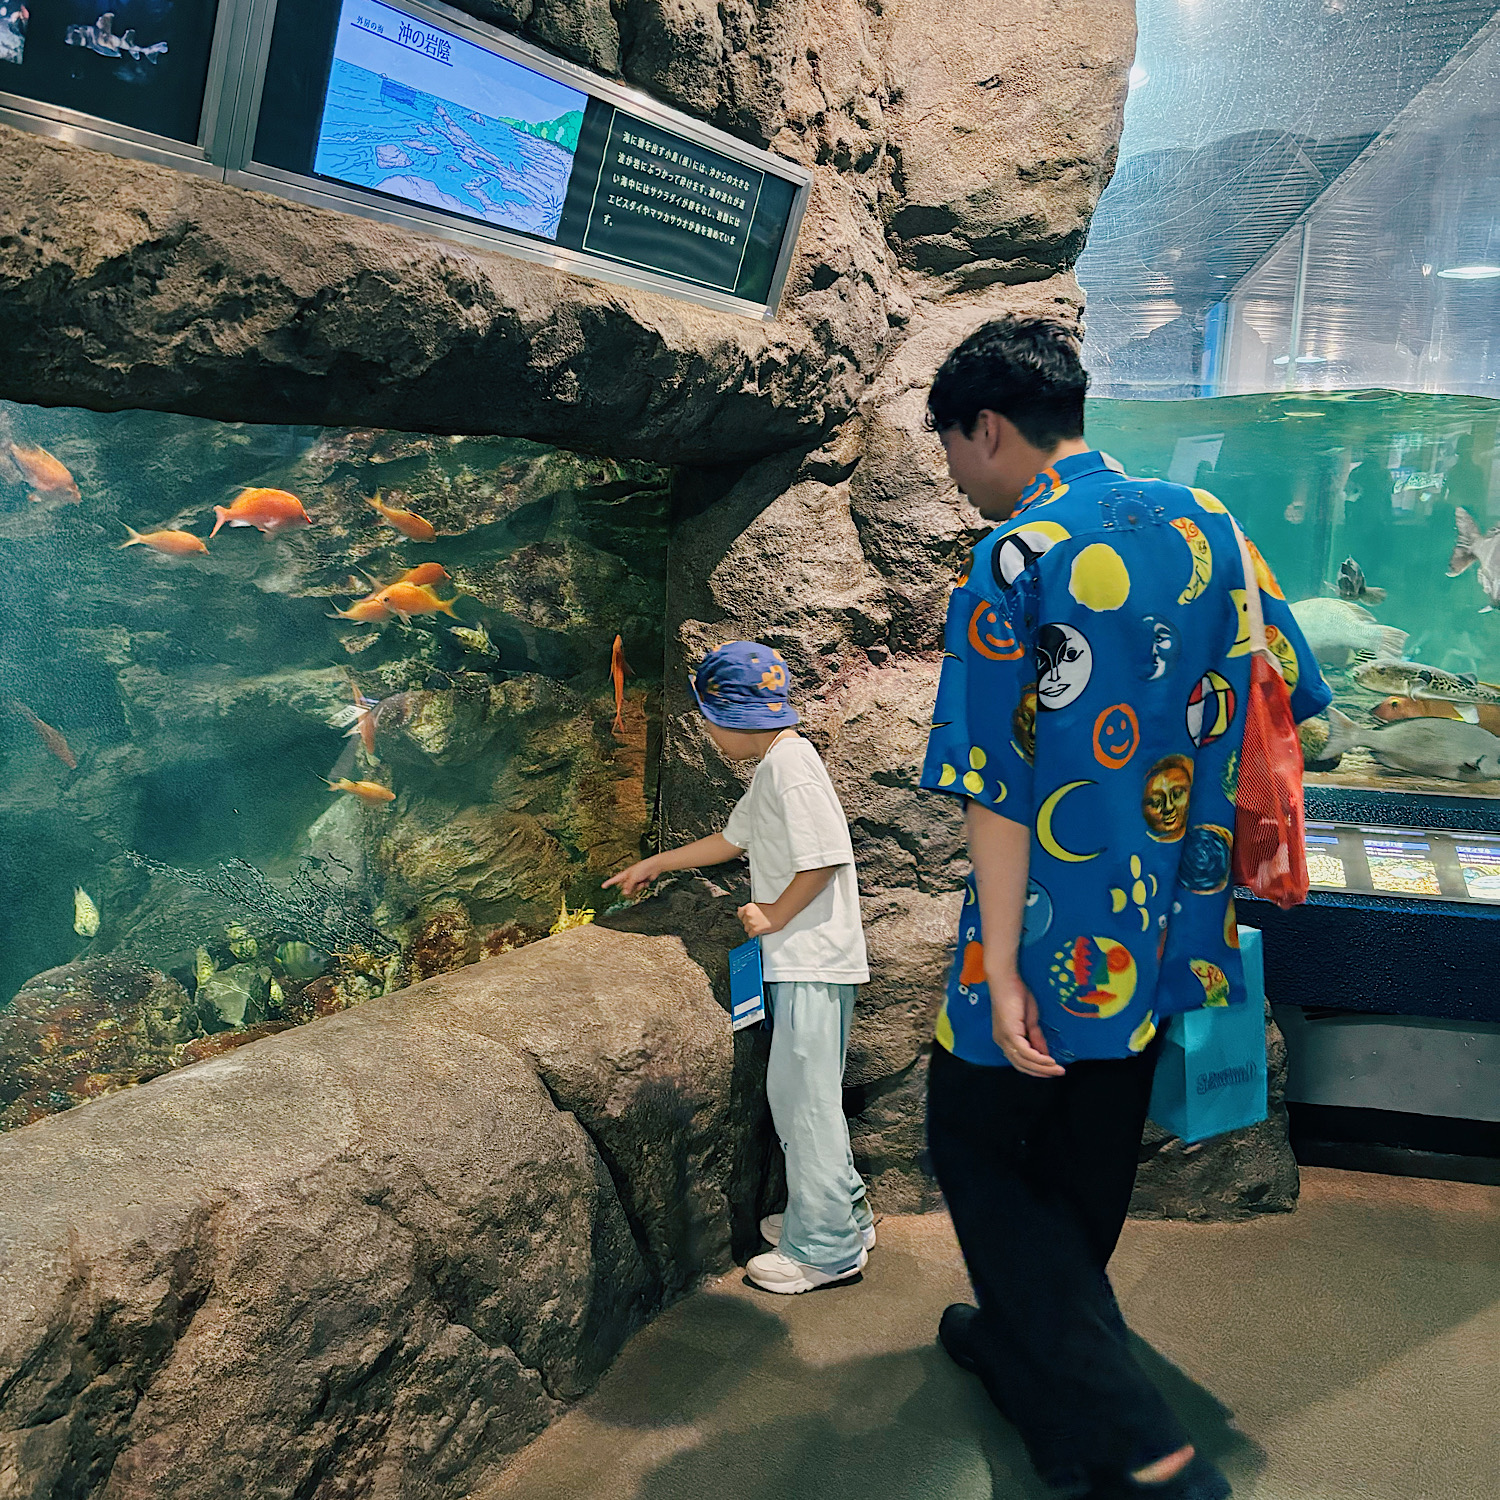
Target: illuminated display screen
[141, 63]
[422, 115]
[1429, 863]
[396, 102]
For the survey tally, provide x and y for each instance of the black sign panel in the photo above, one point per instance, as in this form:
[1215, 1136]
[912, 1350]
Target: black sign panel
[668, 205]
[141, 63]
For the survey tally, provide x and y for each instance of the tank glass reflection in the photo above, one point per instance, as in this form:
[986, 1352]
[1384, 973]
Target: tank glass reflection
[1374, 510]
[292, 717]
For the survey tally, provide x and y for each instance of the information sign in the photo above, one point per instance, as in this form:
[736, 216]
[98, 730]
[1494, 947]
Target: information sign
[403, 102]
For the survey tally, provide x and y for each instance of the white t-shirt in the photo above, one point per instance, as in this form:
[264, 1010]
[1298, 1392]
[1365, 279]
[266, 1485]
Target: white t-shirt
[789, 820]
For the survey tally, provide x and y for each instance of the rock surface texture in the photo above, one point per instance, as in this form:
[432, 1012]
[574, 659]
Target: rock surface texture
[374, 1255]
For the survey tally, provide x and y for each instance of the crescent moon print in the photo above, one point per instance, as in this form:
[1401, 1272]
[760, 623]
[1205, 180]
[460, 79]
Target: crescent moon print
[1202, 555]
[1047, 839]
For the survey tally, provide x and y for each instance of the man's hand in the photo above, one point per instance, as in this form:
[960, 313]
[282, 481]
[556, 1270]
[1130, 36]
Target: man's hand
[1017, 1026]
[636, 878]
[755, 921]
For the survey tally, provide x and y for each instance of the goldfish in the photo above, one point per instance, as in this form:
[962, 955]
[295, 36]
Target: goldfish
[408, 599]
[268, 510]
[175, 542]
[618, 667]
[407, 522]
[371, 792]
[370, 611]
[85, 913]
[50, 737]
[48, 477]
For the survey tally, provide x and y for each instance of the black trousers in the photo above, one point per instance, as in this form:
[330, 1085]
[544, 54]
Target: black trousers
[1037, 1173]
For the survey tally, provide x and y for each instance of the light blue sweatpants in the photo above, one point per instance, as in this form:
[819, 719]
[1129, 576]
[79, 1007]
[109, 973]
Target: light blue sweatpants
[826, 1207]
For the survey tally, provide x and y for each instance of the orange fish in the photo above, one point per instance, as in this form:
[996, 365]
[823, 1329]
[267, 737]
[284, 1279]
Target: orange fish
[370, 792]
[48, 477]
[164, 541]
[50, 737]
[408, 599]
[1486, 715]
[407, 522]
[364, 611]
[618, 667]
[268, 510]
[424, 573]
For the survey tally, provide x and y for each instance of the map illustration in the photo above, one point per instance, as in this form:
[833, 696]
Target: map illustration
[479, 148]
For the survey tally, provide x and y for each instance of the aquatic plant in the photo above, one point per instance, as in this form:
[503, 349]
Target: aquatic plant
[313, 904]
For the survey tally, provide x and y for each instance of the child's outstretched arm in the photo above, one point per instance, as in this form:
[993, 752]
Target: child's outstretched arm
[714, 850]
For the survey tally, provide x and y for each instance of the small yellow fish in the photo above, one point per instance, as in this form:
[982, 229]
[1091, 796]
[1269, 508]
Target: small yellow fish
[567, 919]
[407, 522]
[175, 542]
[370, 792]
[85, 913]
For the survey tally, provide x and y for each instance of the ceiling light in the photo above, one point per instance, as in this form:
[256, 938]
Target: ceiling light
[1138, 76]
[1469, 273]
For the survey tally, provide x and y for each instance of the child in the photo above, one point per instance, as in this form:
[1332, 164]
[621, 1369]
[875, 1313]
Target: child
[805, 911]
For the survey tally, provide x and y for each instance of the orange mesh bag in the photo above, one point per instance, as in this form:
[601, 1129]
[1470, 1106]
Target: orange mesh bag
[1270, 852]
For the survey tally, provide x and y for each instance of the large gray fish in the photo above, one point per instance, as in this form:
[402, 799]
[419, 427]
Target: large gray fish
[1444, 748]
[1417, 681]
[1474, 548]
[1338, 631]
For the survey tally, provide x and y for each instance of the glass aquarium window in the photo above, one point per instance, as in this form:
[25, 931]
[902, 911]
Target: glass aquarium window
[1245, 115]
[1374, 511]
[1294, 301]
[295, 716]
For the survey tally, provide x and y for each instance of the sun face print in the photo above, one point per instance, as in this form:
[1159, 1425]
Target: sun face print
[1164, 803]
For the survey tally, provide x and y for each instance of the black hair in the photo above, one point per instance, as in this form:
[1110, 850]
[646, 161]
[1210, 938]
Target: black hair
[1024, 369]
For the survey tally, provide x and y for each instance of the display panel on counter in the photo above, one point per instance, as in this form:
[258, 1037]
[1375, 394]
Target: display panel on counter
[421, 115]
[1430, 863]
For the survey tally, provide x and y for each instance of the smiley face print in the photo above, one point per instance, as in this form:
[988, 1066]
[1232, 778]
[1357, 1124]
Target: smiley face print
[991, 636]
[1064, 664]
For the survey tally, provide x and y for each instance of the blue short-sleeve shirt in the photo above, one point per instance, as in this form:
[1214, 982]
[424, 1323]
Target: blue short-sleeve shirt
[1095, 666]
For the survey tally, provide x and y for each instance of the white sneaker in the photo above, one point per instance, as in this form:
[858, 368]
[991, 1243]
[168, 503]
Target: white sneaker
[770, 1231]
[775, 1272]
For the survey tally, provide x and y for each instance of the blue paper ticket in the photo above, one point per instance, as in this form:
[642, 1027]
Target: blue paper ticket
[747, 999]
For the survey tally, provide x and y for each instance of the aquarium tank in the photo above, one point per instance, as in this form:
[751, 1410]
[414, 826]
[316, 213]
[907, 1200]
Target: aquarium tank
[295, 716]
[1294, 303]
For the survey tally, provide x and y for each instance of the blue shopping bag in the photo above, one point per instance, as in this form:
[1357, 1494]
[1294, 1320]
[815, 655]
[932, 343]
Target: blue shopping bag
[1211, 1074]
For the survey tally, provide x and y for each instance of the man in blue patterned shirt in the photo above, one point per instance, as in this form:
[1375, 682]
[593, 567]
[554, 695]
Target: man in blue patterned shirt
[1089, 714]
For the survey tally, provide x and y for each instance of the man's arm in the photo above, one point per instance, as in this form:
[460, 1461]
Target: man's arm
[759, 918]
[714, 850]
[1000, 851]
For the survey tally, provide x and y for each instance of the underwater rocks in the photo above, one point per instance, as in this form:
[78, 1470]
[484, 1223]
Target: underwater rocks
[374, 1255]
[87, 1029]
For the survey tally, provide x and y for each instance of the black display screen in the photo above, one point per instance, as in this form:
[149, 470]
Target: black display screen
[141, 63]
[365, 94]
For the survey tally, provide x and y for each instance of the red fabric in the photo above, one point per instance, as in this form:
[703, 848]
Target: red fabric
[1270, 852]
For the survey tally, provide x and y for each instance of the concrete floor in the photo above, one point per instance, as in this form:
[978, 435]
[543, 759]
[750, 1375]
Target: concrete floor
[1349, 1351]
